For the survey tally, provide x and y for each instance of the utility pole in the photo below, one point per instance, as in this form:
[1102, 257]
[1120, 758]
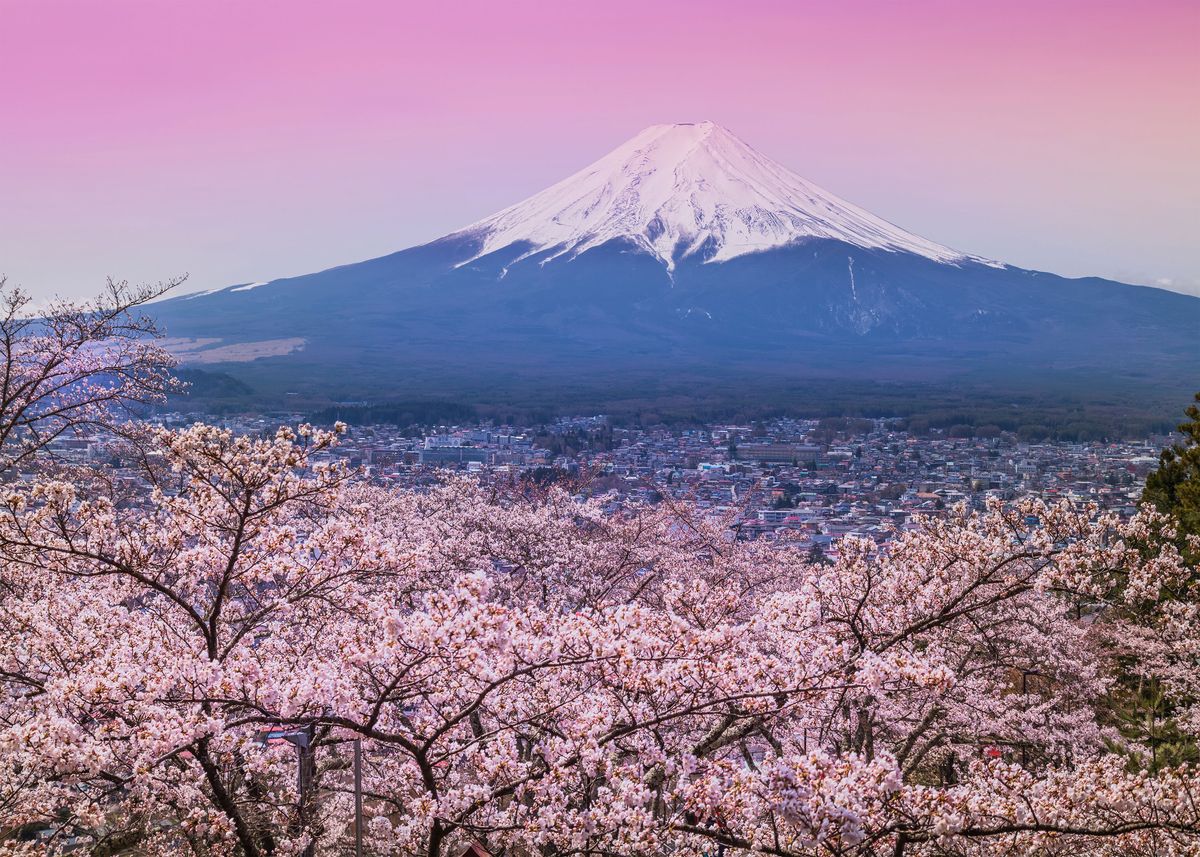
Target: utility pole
[358, 798]
[302, 739]
[307, 773]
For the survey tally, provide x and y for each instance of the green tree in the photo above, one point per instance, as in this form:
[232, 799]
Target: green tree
[1140, 709]
[1174, 488]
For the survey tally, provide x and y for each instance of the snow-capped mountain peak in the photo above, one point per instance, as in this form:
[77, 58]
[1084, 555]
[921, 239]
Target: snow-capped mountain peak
[677, 190]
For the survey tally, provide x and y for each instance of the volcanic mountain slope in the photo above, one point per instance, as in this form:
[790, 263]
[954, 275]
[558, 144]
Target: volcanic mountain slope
[685, 254]
[682, 191]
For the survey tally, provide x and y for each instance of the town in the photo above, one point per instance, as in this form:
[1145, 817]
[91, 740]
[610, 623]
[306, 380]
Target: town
[810, 482]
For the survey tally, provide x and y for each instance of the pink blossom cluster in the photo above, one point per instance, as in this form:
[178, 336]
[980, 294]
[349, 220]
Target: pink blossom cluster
[540, 677]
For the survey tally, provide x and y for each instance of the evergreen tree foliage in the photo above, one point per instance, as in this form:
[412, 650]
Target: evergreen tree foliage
[1174, 488]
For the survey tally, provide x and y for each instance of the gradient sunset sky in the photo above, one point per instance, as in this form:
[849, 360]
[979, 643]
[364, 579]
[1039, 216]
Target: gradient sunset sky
[244, 141]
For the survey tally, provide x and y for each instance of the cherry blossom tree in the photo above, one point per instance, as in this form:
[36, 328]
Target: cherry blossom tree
[68, 365]
[540, 677]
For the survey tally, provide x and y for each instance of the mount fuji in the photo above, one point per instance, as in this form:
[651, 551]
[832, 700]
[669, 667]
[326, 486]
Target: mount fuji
[691, 190]
[683, 258]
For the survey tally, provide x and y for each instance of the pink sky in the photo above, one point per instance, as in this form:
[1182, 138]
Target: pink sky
[247, 140]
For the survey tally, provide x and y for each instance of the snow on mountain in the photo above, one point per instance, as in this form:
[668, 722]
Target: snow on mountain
[677, 190]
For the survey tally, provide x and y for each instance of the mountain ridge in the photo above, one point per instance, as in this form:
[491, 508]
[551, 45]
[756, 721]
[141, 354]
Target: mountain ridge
[657, 262]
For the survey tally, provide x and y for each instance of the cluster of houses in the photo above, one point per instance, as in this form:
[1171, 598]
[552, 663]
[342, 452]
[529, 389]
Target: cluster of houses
[803, 481]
